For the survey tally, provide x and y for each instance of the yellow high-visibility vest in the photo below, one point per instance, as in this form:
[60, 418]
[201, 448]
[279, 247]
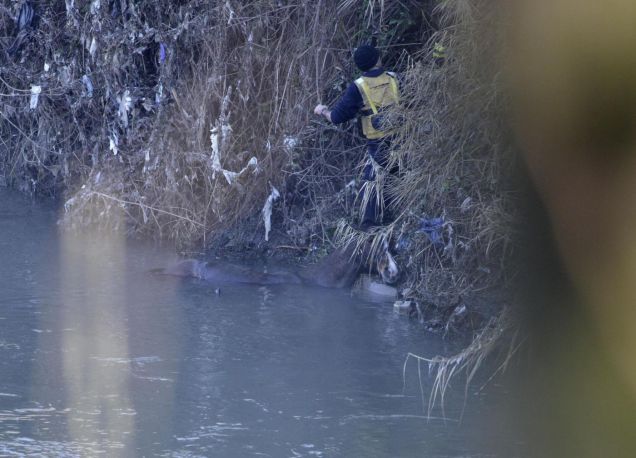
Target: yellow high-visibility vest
[439, 51]
[378, 94]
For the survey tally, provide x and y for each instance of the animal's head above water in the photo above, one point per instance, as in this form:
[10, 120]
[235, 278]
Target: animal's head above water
[184, 268]
[377, 257]
[386, 265]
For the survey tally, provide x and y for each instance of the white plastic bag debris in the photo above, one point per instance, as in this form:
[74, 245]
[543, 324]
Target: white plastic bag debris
[95, 6]
[231, 177]
[466, 204]
[64, 75]
[216, 153]
[351, 187]
[69, 203]
[290, 142]
[93, 47]
[215, 157]
[35, 95]
[226, 131]
[114, 143]
[70, 4]
[89, 85]
[253, 164]
[125, 102]
[230, 10]
[159, 94]
[222, 129]
[220, 135]
[267, 211]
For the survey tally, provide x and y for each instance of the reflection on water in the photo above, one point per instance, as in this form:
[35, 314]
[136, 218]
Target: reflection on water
[94, 348]
[99, 357]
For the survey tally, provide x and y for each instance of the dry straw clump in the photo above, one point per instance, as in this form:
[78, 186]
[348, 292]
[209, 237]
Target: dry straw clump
[186, 115]
[468, 361]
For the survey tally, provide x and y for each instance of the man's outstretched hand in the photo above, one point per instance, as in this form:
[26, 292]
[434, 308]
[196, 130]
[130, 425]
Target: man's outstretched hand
[320, 109]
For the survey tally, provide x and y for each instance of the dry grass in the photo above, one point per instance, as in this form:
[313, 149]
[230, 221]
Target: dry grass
[466, 362]
[164, 77]
[184, 95]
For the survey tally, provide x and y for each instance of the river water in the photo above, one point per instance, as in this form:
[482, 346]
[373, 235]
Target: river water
[100, 358]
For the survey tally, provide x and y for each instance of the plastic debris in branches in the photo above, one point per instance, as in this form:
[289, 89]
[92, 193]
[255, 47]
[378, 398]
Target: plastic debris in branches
[267, 211]
[433, 227]
[88, 84]
[162, 53]
[125, 103]
[23, 24]
[35, 95]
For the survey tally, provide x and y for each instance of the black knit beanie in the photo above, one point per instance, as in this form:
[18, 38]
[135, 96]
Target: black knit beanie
[365, 57]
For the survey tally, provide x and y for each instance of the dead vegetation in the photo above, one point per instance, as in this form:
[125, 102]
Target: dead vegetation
[467, 362]
[187, 115]
[194, 118]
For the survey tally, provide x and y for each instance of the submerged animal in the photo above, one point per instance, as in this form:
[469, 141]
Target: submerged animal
[340, 269]
[222, 272]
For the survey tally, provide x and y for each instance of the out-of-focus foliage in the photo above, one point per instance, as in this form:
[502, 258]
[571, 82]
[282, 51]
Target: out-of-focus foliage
[574, 93]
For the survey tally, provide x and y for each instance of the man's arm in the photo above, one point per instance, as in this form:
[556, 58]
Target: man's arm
[346, 108]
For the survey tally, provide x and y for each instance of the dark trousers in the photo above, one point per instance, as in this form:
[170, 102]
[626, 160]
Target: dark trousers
[378, 151]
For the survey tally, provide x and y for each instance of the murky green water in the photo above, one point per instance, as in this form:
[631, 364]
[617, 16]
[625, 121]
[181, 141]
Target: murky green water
[97, 357]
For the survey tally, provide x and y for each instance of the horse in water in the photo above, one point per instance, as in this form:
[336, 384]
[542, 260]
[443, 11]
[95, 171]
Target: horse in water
[339, 269]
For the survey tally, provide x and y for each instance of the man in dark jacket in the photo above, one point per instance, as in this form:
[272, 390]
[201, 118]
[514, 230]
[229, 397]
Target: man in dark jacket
[368, 96]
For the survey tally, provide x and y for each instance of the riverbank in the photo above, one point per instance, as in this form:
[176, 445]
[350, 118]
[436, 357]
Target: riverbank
[192, 123]
[186, 126]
